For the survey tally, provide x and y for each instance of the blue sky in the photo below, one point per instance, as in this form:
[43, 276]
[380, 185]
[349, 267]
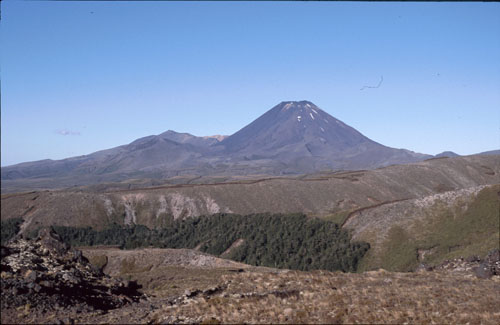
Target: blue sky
[77, 77]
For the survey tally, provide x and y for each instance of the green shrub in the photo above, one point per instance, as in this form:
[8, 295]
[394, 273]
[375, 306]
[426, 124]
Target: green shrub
[10, 228]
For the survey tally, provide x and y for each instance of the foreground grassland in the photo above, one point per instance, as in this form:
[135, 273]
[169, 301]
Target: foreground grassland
[223, 294]
[319, 297]
[273, 296]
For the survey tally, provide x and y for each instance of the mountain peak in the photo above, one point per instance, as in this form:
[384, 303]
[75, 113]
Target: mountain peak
[296, 102]
[291, 137]
[294, 129]
[303, 104]
[298, 110]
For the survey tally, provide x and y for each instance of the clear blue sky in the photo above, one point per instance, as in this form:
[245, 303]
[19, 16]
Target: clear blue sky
[77, 77]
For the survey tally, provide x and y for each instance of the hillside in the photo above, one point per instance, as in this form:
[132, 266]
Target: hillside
[320, 195]
[373, 204]
[429, 230]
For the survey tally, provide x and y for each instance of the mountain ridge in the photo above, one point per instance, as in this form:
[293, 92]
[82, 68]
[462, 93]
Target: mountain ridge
[293, 137]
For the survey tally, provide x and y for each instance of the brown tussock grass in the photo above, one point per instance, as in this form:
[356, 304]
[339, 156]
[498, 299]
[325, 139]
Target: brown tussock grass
[373, 297]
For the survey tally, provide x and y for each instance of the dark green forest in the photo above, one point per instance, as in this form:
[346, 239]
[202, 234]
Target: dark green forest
[291, 241]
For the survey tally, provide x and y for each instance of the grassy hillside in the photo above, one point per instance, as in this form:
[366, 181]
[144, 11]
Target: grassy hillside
[469, 226]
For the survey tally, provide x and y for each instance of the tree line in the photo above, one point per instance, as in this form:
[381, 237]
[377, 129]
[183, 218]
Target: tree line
[291, 241]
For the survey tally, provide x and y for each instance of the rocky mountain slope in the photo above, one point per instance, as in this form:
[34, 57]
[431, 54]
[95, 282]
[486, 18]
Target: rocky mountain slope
[291, 138]
[44, 275]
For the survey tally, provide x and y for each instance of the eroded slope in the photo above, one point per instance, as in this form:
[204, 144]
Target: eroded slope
[319, 195]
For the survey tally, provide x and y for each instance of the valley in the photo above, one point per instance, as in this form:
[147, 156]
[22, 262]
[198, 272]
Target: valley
[432, 204]
[249, 162]
[296, 212]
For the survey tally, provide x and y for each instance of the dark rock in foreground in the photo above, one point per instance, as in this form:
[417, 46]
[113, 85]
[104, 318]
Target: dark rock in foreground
[45, 274]
[481, 268]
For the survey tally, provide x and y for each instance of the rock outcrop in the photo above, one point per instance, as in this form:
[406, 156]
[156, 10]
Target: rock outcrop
[45, 274]
[481, 268]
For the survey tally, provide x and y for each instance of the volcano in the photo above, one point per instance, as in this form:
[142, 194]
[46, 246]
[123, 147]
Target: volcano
[298, 132]
[293, 137]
